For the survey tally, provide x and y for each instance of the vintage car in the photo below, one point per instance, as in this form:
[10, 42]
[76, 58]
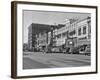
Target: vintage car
[86, 51]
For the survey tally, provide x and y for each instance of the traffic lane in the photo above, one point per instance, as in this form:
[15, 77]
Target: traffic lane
[39, 55]
[53, 61]
[68, 63]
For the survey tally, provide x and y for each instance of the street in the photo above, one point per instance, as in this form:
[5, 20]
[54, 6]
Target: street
[38, 60]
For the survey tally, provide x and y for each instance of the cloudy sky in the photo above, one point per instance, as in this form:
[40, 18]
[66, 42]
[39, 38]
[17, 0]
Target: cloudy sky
[47, 17]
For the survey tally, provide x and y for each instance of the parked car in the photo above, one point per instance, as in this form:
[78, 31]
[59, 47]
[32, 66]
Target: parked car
[74, 50]
[86, 50]
[55, 50]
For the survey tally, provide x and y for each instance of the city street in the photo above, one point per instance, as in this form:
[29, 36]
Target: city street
[36, 60]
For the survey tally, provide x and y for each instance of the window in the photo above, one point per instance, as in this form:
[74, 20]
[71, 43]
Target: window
[84, 30]
[79, 31]
[64, 34]
[72, 33]
[89, 27]
[59, 36]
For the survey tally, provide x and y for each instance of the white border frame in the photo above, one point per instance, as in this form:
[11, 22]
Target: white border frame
[30, 72]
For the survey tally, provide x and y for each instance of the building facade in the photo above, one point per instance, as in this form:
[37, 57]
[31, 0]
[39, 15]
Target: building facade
[72, 34]
[37, 35]
[45, 39]
[42, 41]
[76, 33]
[30, 36]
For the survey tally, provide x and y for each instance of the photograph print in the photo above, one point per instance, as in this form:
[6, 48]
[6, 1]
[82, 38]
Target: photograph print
[54, 39]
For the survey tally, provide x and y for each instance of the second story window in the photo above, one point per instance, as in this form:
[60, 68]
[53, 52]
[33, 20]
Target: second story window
[72, 33]
[84, 30]
[59, 36]
[79, 31]
[64, 34]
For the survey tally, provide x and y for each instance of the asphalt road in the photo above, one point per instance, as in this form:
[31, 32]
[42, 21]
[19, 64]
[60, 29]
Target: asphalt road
[38, 60]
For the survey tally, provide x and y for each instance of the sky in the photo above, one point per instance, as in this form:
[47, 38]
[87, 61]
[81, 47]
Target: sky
[47, 17]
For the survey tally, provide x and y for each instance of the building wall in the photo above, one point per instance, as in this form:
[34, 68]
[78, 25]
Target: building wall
[30, 37]
[42, 39]
[49, 37]
[38, 35]
[58, 36]
[83, 38]
[61, 34]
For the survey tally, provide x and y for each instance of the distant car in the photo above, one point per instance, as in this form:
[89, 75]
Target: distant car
[75, 50]
[86, 51]
[81, 51]
[55, 50]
